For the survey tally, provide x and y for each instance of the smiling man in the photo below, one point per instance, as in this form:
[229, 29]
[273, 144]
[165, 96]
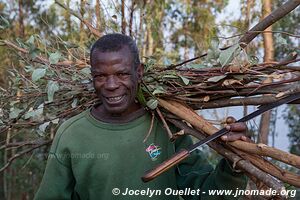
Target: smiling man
[116, 128]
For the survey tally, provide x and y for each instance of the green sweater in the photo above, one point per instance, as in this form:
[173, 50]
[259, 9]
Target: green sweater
[89, 158]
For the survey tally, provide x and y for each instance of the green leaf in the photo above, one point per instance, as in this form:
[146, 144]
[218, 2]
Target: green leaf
[140, 96]
[196, 66]
[152, 104]
[43, 126]
[33, 52]
[38, 74]
[74, 103]
[14, 112]
[215, 79]
[159, 90]
[35, 114]
[227, 55]
[55, 121]
[185, 80]
[53, 87]
[54, 57]
[86, 71]
[170, 76]
[28, 68]
[4, 23]
[30, 41]
[253, 59]
[1, 122]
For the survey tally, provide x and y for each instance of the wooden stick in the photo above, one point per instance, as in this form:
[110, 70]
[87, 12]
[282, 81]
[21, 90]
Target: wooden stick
[245, 165]
[200, 123]
[170, 134]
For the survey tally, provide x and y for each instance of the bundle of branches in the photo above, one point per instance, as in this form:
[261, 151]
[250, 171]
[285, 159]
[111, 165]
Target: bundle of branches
[54, 85]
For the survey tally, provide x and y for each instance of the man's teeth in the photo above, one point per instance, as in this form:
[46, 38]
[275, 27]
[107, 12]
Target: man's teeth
[115, 98]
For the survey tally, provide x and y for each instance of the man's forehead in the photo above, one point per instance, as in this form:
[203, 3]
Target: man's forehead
[101, 56]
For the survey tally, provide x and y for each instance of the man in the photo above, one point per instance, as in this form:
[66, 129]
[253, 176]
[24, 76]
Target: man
[100, 154]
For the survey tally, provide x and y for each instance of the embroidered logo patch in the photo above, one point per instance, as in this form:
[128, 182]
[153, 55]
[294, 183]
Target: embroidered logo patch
[153, 151]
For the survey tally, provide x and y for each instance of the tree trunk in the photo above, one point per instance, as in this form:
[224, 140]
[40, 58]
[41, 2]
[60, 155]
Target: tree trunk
[98, 15]
[141, 32]
[81, 32]
[131, 17]
[123, 17]
[68, 18]
[21, 31]
[268, 56]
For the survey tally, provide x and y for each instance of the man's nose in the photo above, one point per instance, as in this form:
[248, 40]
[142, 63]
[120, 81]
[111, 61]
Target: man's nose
[111, 83]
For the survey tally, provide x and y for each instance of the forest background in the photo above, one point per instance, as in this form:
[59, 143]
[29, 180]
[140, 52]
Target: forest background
[166, 32]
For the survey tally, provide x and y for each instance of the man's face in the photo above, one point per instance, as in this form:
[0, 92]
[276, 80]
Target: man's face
[115, 80]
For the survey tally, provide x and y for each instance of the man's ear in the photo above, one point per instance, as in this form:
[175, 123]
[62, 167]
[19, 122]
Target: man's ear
[140, 71]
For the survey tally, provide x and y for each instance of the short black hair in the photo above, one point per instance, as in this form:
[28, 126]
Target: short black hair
[115, 42]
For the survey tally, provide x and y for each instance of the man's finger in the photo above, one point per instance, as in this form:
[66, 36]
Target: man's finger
[230, 120]
[237, 127]
[232, 136]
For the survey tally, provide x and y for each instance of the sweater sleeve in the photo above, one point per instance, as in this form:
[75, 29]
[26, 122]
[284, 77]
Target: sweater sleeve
[195, 172]
[58, 181]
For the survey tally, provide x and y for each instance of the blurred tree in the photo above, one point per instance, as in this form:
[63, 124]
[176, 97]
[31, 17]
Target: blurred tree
[193, 24]
[293, 121]
[264, 125]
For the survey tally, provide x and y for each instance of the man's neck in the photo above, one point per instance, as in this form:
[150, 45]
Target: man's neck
[98, 113]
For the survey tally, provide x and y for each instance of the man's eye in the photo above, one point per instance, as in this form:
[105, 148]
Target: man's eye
[123, 75]
[99, 76]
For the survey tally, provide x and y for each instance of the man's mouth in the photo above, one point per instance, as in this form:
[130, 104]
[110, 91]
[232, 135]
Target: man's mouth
[116, 99]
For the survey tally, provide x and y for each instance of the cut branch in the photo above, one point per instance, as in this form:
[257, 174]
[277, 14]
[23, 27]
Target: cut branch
[199, 123]
[268, 21]
[237, 160]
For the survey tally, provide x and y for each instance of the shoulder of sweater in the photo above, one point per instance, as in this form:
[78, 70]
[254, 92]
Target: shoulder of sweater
[63, 128]
[71, 121]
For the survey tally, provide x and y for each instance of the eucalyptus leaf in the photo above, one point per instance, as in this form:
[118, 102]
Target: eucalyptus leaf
[253, 59]
[74, 103]
[215, 79]
[4, 23]
[159, 90]
[185, 80]
[170, 76]
[38, 74]
[28, 68]
[86, 71]
[14, 112]
[54, 57]
[55, 121]
[227, 55]
[1, 122]
[140, 96]
[195, 66]
[30, 41]
[43, 126]
[33, 52]
[152, 104]
[35, 114]
[52, 87]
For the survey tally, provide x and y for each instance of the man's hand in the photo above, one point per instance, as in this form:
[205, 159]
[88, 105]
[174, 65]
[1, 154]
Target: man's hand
[237, 131]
